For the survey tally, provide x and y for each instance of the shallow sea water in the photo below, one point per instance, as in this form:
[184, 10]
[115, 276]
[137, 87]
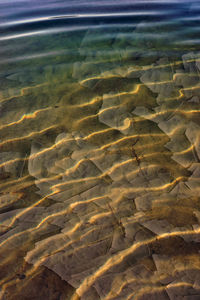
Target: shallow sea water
[99, 150]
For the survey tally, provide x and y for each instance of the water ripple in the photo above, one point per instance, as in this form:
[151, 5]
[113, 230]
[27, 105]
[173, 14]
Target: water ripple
[100, 157]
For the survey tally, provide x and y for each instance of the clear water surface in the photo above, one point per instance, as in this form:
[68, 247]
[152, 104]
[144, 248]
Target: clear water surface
[99, 150]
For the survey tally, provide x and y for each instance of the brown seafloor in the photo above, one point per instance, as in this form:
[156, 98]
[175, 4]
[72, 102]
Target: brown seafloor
[114, 206]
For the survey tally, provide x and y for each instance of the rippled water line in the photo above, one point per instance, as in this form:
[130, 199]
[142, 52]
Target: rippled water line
[75, 16]
[189, 18]
[103, 147]
[22, 92]
[56, 188]
[131, 69]
[86, 5]
[76, 166]
[47, 150]
[154, 289]
[32, 134]
[36, 55]
[132, 35]
[59, 30]
[73, 52]
[53, 215]
[32, 115]
[42, 32]
[15, 184]
[107, 172]
[79, 225]
[191, 42]
[143, 24]
[118, 258]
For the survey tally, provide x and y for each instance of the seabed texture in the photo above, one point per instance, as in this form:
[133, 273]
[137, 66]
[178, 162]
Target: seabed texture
[100, 163]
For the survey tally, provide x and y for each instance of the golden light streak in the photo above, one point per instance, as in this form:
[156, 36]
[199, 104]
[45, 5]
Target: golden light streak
[151, 290]
[120, 256]
[25, 117]
[32, 134]
[18, 180]
[143, 68]
[23, 91]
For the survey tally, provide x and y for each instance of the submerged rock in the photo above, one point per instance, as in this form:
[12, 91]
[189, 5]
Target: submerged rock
[43, 283]
[192, 133]
[117, 221]
[114, 114]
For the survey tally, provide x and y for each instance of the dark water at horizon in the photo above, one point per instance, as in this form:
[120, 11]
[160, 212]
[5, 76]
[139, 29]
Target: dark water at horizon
[99, 150]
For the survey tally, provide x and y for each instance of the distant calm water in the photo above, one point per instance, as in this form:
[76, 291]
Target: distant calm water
[99, 150]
